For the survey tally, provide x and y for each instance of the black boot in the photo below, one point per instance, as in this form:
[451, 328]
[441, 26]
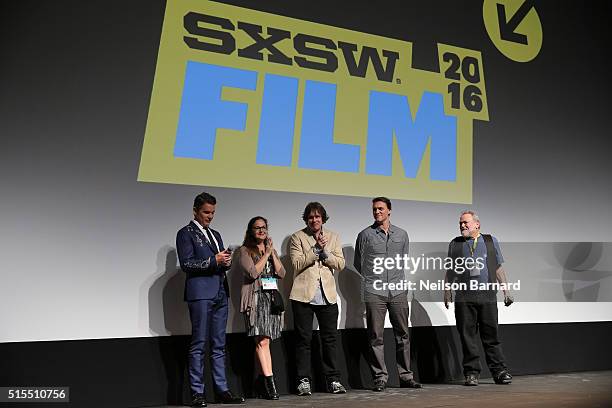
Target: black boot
[269, 389]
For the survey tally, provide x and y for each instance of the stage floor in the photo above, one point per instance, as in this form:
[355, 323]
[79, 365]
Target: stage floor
[587, 389]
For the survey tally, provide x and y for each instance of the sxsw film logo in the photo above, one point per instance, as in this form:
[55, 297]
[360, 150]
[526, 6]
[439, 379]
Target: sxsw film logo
[248, 99]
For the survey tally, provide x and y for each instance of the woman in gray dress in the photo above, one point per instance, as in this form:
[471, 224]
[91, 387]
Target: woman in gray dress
[261, 269]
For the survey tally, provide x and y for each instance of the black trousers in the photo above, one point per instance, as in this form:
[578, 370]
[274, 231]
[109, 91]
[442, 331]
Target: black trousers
[476, 319]
[327, 316]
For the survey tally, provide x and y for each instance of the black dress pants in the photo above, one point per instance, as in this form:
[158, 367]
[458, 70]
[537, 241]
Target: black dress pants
[478, 318]
[327, 316]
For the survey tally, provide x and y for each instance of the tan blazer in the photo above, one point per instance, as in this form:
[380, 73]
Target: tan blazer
[307, 269]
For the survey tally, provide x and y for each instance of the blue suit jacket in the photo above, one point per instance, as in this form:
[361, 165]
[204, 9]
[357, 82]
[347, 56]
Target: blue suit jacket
[197, 259]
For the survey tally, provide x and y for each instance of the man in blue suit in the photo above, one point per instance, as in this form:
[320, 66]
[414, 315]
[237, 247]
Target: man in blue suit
[205, 261]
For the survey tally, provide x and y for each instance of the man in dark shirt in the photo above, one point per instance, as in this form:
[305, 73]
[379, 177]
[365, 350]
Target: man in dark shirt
[476, 310]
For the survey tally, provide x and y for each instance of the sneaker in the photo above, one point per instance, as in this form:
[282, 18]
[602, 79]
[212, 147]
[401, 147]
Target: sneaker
[379, 385]
[303, 387]
[503, 377]
[335, 387]
[471, 380]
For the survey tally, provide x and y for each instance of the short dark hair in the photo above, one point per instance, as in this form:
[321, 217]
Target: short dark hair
[383, 199]
[315, 206]
[203, 198]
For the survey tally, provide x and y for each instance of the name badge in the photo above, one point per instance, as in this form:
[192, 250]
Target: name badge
[475, 272]
[268, 283]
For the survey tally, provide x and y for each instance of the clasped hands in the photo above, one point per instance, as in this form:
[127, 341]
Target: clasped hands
[321, 240]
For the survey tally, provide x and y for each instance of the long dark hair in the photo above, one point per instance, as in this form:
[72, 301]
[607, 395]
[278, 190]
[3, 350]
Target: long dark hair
[250, 242]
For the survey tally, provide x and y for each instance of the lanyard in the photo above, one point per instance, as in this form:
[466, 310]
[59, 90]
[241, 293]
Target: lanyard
[473, 247]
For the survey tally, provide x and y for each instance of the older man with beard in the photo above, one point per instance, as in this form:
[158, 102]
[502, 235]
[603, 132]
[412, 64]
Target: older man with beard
[476, 310]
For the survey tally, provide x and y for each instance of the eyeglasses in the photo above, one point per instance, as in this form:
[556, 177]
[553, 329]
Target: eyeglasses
[260, 228]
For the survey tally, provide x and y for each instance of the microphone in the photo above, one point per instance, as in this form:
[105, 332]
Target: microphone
[233, 247]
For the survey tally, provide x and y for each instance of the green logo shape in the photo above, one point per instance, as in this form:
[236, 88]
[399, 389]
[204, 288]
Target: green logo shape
[514, 27]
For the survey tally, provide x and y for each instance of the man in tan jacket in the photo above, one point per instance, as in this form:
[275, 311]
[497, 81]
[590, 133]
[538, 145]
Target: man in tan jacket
[316, 255]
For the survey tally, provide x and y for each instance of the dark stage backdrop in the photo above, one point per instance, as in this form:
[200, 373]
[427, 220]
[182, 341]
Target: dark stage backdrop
[87, 250]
